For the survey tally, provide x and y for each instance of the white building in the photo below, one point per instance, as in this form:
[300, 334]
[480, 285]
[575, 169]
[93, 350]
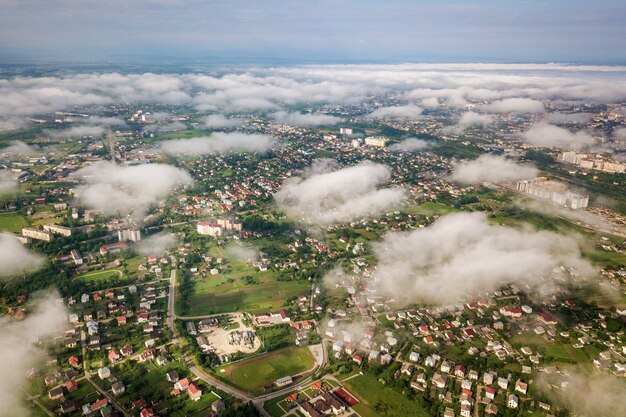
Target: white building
[210, 229]
[57, 230]
[36, 234]
[377, 141]
[129, 234]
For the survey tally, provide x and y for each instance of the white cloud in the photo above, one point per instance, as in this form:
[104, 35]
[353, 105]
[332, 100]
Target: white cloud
[431, 102]
[219, 121]
[18, 148]
[304, 119]
[571, 118]
[78, 131]
[175, 126]
[338, 196]
[510, 87]
[462, 256]
[20, 351]
[492, 168]
[219, 143]
[157, 244]
[243, 253]
[409, 145]
[11, 123]
[515, 105]
[8, 182]
[586, 394]
[115, 188]
[15, 258]
[408, 112]
[550, 136]
[471, 119]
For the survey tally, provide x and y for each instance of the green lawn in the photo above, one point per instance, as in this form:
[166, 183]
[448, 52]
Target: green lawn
[375, 396]
[12, 223]
[429, 208]
[227, 292]
[96, 276]
[558, 353]
[274, 409]
[101, 275]
[255, 373]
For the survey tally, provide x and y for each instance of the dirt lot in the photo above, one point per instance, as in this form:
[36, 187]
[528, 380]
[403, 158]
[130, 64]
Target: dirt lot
[220, 340]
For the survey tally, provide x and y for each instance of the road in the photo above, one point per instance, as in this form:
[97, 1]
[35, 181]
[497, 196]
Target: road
[171, 314]
[199, 373]
[112, 400]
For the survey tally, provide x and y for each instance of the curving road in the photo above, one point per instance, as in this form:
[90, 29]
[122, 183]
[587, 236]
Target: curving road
[258, 401]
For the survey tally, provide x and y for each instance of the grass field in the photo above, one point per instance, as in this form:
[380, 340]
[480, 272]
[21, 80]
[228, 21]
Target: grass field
[429, 208]
[131, 263]
[12, 223]
[101, 275]
[253, 374]
[228, 292]
[274, 409]
[374, 395]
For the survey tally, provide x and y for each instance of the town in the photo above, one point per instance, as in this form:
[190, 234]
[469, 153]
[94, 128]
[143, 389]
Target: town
[199, 279]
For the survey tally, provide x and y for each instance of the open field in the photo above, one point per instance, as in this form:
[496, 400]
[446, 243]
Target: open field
[112, 273]
[276, 406]
[102, 275]
[228, 292]
[374, 395]
[253, 374]
[12, 223]
[429, 208]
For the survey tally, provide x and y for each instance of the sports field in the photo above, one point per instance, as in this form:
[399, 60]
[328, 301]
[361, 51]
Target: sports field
[255, 373]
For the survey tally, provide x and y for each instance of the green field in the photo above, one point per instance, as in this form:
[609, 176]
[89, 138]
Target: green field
[274, 409]
[12, 223]
[429, 208]
[102, 275]
[253, 374]
[375, 396]
[228, 292]
[112, 273]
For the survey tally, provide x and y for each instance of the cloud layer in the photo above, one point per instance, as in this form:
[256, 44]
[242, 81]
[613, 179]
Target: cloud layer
[18, 148]
[8, 183]
[515, 105]
[409, 145]
[338, 196]
[584, 394]
[408, 112]
[15, 258]
[550, 136]
[304, 119]
[219, 143]
[507, 88]
[18, 351]
[219, 121]
[114, 188]
[462, 255]
[492, 168]
[156, 244]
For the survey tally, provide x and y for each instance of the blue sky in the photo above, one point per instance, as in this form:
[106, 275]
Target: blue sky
[316, 30]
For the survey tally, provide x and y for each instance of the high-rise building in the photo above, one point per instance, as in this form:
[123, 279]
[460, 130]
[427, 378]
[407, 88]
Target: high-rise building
[129, 234]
